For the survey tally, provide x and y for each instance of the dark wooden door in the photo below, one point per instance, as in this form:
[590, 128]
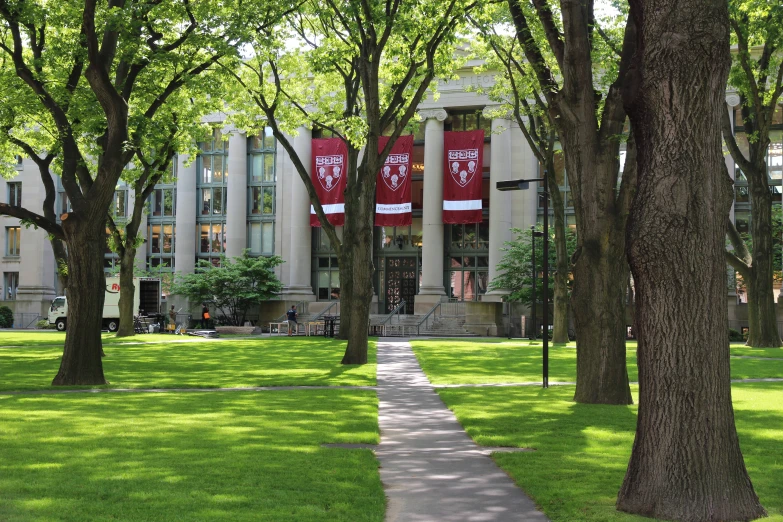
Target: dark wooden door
[400, 282]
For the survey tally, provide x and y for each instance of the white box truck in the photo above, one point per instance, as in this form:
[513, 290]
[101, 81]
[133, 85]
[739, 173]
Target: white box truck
[146, 297]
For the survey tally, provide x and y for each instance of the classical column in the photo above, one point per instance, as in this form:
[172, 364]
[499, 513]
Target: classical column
[185, 234]
[236, 200]
[300, 241]
[499, 202]
[431, 288]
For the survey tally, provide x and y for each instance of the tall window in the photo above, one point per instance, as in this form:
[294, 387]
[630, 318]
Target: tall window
[212, 171]
[468, 263]
[13, 236]
[15, 194]
[261, 181]
[10, 285]
[326, 270]
[161, 228]
[120, 204]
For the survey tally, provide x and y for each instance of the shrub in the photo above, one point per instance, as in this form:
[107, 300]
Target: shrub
[6, 317]
[43, 324]
[735, 336]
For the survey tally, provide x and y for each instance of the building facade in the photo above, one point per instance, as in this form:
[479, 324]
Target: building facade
[243, 192]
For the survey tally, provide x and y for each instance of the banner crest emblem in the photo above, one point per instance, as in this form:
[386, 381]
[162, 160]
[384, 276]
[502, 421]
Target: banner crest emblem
[329, 170]
[395, 170]
[463, 165]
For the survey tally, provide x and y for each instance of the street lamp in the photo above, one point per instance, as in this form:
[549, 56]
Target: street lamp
[524, 184]
[533, 236]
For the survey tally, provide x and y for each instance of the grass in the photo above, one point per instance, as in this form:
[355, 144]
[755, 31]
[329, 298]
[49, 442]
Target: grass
[583, 450]
[196, 456]
[29, 361]
[488, 361]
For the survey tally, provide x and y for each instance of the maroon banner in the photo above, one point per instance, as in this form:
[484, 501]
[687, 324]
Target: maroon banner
[463, 161]
[330, 161]
[393, 187]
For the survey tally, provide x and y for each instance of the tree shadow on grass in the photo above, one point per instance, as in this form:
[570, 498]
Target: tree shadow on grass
[199, 456]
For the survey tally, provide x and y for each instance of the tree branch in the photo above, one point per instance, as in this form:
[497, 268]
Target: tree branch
[31, 217]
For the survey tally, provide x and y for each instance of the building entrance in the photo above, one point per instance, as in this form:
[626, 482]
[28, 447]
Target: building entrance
[400, 282]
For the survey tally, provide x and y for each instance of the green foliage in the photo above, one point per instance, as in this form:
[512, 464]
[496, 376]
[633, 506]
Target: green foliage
[735, 336]
[6, 317]
[233, 287]
[516, 266]
[43, 324]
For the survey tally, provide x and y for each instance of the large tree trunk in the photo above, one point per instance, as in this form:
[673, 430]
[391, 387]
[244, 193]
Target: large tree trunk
[81, 361]
[598, 304]
[560, 302]
[686, 462]
[127, 290]
[357, 246]
[763, 324]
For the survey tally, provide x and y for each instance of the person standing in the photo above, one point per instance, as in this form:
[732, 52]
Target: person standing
[172, 319]
[292, 315]
[204, 315]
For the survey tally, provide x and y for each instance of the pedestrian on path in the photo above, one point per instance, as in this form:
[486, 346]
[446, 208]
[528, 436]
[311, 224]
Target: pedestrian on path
[204, 315]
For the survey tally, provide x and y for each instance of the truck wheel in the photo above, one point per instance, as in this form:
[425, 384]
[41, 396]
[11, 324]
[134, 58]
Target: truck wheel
[60, 325]
[112, 325]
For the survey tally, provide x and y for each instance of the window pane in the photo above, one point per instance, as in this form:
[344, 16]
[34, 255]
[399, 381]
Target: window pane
[157, 202]
[254, 240]
[217, 202]
[168, 202]
[483, 234]
[168, 239]
[155, 239]
[455, 291]
[741, 194]
[269, 138]
[269, 200]
[218, 239]
[204, 234]
[269, 168]
[206, 201]
[255, 200]
[217, 169]
[335, 285]
[257, 168]
[470, 236]
[268, 238]
[206, 169]
[456, 237]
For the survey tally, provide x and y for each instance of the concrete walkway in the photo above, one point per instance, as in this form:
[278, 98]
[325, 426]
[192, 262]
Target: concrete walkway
[430, 468]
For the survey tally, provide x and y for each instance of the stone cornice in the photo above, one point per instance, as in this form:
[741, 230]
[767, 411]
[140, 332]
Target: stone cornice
[438, 114]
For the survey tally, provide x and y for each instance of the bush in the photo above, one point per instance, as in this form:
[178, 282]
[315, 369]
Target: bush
[735, 336]
[6, 317]
[43, 324]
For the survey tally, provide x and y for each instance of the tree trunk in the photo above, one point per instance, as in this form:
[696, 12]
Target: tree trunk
[560, 302]
[598, 304]
[81, 361]
[686, 462]
[357, 246]
[127, 290]
[763, 332]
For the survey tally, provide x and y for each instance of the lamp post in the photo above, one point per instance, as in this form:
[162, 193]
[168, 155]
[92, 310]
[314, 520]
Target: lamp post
[533, 236]
[524, 184]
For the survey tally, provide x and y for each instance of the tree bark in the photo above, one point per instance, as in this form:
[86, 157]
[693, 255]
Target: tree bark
[127, 290]
[763, 332]
[560, 302]
[357, 243]
[686, 462]
[81, 360]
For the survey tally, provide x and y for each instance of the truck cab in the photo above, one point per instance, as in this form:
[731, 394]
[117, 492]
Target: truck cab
[58, 313]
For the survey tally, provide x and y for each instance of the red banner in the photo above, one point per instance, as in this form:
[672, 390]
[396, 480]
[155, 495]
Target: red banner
[393, 187]
[329, 175]
[464, 160]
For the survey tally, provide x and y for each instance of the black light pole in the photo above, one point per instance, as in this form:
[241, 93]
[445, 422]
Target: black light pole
[524, 184]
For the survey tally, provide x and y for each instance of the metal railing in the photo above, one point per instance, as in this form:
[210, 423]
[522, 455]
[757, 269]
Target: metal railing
[395, 312]
[323, 312]
[452, 309]
[426, 319]
[26, 320]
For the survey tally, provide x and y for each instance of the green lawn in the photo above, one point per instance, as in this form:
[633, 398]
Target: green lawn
[30, 361]
[583, 450]
[221, 456]
[461, 361]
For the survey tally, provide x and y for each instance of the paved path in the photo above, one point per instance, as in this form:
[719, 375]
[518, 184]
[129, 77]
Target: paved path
[430, 468]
